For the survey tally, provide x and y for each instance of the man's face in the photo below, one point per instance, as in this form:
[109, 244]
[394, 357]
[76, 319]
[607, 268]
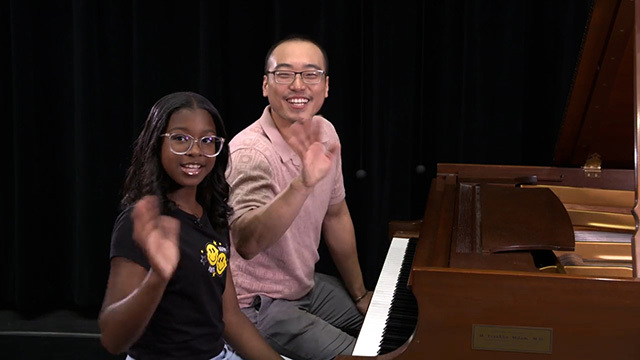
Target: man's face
[297, 101]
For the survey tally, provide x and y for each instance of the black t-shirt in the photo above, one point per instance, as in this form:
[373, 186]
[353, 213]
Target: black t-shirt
[187, 323]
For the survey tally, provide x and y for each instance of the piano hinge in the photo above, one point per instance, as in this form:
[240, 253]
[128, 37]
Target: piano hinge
[593, 166]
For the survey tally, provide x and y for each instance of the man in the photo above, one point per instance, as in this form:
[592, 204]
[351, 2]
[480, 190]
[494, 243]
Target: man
[286, 190]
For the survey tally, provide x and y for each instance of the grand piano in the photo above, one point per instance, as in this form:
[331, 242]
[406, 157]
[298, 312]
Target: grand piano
[522, 262]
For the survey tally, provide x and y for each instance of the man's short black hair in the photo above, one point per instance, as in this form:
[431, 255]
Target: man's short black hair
[297, 37]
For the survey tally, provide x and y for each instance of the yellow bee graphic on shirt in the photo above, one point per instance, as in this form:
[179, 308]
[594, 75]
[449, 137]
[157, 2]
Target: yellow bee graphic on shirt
[216, 257]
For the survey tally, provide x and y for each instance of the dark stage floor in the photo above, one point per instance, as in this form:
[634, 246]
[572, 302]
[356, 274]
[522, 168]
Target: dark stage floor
[59, 335]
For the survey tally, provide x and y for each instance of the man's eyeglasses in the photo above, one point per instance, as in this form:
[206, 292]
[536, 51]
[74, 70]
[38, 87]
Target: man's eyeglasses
[287, 77]
[180, 144]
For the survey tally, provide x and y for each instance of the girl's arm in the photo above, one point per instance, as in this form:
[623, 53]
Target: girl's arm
[133, 293]
[239, 332]
[131, 298]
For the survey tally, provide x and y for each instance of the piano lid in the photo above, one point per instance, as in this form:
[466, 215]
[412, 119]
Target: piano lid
[599, 114]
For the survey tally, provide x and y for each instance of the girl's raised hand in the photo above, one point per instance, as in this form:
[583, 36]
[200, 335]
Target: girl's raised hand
[158, 235]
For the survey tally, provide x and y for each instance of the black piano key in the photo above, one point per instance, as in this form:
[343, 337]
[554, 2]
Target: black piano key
[403, 313]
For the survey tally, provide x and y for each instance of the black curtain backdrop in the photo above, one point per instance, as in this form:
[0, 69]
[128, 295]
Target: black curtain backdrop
[412, 83]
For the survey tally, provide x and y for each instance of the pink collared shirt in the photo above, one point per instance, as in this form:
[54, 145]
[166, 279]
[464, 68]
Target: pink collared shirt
[262, 165]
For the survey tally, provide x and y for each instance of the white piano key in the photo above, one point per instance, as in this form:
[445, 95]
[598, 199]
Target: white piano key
[368, 342]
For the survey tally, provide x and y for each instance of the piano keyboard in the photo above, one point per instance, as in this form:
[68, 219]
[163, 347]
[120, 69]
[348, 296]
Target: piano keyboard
[392, 314]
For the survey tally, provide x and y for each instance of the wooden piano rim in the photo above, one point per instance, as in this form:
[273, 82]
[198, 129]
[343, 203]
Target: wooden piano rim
[522, 274]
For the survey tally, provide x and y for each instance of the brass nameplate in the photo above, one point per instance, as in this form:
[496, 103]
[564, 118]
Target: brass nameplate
[512, 338]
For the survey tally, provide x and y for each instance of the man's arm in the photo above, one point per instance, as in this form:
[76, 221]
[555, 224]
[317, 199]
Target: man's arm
[257, 229]
[340, 237]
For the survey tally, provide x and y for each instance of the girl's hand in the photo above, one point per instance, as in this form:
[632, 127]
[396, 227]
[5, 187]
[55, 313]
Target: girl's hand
[158, 235]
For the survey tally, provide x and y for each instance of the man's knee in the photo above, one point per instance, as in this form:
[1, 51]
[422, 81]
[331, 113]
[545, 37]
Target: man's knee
[296, 333]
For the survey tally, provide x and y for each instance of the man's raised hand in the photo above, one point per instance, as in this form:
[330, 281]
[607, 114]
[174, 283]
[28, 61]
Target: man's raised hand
[317, 158]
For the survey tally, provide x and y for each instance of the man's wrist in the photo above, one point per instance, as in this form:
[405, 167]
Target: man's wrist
[298, 184]
[357, 300]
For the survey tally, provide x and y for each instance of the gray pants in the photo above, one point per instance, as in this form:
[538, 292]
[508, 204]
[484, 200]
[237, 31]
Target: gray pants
[319, 326]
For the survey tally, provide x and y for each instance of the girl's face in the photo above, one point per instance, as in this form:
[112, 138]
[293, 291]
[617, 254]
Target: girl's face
[189, 169]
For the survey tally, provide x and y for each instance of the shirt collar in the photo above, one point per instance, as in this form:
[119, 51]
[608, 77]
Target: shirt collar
[282, 148]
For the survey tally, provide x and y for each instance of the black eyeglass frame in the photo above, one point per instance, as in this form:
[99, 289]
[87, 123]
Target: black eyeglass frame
[295, 73]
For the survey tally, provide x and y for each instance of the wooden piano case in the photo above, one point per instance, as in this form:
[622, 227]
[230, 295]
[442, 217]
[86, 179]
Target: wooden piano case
[501, 269]
[478, 304]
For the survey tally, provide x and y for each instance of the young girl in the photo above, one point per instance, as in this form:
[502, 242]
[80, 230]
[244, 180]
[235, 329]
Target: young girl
[170, 293]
